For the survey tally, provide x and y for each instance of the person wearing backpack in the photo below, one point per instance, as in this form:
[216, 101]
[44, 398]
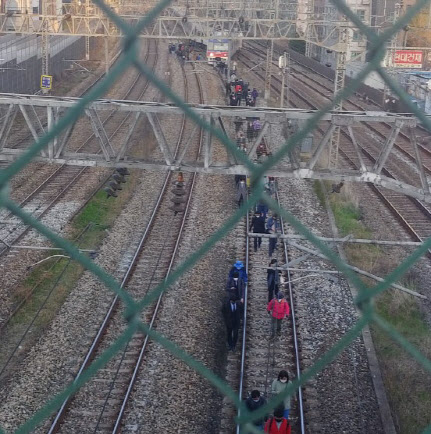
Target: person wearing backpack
[236, 286]
[278, 308]
[278, 424]
[273, 228]
[258, 226]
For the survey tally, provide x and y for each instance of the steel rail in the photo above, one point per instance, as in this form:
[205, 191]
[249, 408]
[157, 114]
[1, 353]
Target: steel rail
[59, 170]
[114, 302]
[56, 284]
[96, 341]
[294, 327]
[171, 263]
[87, 89]
[425, 151]
[244, 324]
[423, 209]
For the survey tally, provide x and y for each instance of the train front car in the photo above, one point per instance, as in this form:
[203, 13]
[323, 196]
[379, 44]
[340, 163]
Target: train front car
[217, 50]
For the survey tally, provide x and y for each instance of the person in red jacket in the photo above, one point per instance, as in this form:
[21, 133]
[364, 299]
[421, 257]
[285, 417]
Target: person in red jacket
[278, 308]
[278, 424]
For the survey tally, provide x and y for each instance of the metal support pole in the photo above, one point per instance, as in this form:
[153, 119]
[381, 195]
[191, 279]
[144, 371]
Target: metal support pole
[106, 54]
[87, 38]
[229, 53]
[284, 65]
[340, 75]
[283, 80]
[390, 68]
[45, 41]
[308, 32]
[269, 53]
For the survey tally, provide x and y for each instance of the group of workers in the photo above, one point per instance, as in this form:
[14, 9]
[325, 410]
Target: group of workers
[278, 309]
[264, 223]
[233, 305]
[185, 51]
[239, 90]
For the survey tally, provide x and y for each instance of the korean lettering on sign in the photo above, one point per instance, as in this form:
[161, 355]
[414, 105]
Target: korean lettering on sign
[408, 59]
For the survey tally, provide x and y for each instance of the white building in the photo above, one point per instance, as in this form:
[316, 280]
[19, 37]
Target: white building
[324, 10]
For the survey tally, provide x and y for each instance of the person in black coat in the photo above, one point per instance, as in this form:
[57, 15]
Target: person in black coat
[272, 279]
[253, 403]
[232, 99]
[258, 226]
[232, 312]
[235, 285]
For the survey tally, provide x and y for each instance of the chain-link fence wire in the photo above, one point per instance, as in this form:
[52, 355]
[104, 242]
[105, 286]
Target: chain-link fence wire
[133, 309]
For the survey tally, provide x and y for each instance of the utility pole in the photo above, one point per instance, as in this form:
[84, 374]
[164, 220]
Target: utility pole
[308, 31]
[46, 10]
[106, 39]
[87, 38]
[340, 75]
[283, 64]
[269, 54]
[390, 58]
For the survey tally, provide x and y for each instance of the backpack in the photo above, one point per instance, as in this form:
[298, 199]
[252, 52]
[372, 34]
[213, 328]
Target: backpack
[269, 224]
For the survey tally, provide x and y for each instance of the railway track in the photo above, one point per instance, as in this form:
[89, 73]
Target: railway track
[323, 88]
[99, 406]
[39, 203]
[52, 189]
[412, 214]
[263, 358]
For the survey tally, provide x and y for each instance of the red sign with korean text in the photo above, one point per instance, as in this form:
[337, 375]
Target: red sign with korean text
[408, 59]
[213, 54]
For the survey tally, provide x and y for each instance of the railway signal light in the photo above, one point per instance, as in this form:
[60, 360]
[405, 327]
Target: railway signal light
[115, 181]
[110, 192]
[179, 192]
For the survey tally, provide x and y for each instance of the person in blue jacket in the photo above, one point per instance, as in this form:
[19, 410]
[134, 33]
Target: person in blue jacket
[238, 266]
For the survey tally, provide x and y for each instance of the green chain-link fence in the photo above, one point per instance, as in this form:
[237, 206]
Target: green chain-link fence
[365, 295]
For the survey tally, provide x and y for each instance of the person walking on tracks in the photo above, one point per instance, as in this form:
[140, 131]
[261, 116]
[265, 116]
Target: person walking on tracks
[241, 193]
[231, 311]
[279, 385]
[238, 266]
[273, 228]
[253, 403]
[254, 94]
[232, 99]
[258, 226]
[262, 207]
[272, 279]
[278, 424]
[235, 285]
[278, 308]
